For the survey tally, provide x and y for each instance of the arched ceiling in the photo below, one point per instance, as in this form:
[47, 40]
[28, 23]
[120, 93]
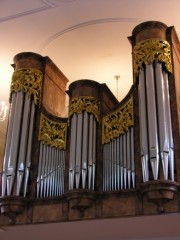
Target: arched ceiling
[85, 38]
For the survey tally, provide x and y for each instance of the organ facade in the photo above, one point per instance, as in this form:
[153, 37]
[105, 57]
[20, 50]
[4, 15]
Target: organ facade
[107, 158]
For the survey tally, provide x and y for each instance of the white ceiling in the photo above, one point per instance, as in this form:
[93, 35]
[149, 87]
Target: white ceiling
[85, 39]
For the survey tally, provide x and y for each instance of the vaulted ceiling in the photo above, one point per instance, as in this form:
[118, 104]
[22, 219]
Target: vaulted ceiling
[85, 39]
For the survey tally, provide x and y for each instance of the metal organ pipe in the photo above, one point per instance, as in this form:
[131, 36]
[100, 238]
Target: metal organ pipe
[121, 161]
[48, 171]
[78, 150]
[53, 171]
[163, 134]
[25, 95]
[132, 156]
[82, 151]
[8, 143]
[118, 162]
[118, 148]
[169, 125]
[105, 168]
[15, 139]
[18, 144]
[129, 159]
[50, 179]
[115, 163]
[42, 167]
[118, 159]
[29, 146]
[39, 168]
[54, 167]
[125, 161]
[157, 126]
[94, 153]
[152, 62]
[72, 151]
[143, 126]
[23, 143]
[90, 152]
[152, 121]
[58, 182]
[62, 170]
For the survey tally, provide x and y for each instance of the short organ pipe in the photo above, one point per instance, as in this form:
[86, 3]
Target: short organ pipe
[118, 163]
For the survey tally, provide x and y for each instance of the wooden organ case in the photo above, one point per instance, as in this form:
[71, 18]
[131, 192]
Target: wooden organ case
[107, 158]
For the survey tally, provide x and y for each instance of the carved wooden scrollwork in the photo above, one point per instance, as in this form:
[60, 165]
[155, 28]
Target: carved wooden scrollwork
[149, 50]
[118, 122]
[52, 133]
[85, 103]
[28, 80]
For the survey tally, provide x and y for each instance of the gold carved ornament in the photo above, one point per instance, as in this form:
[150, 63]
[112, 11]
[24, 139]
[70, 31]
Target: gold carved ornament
[28, 80]
[149, 50]
[52, 133]
[118, 122]
[85, 103]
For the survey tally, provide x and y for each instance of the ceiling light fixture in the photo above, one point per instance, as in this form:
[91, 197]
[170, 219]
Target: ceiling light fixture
[117, 79]
[3, 111]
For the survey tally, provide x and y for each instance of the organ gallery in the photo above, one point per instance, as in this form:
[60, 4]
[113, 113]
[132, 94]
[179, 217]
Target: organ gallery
[107, 158]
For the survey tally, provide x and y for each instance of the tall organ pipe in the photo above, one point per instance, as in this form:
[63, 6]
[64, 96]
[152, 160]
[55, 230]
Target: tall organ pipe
[152, 121]
[163, 133]
[8, 143]
[72, 151]
[94, 153]
[16, 130]
[90, 153]
[169, 125]
[23, 143]
[78, 150]
[143, 126]
[84, 149]
[154, 90]
[29, 147]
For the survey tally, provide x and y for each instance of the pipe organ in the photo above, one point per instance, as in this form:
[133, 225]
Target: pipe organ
[17, 157]
[50, 178]
[118, 149]
[155, 115]
[107, 158]
[82, 163]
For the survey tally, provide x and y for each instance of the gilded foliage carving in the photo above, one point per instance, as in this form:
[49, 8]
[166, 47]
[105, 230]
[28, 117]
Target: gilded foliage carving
[52, 133]
[28, 80]
[85, 103]
[149, 50]
[118, 122]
